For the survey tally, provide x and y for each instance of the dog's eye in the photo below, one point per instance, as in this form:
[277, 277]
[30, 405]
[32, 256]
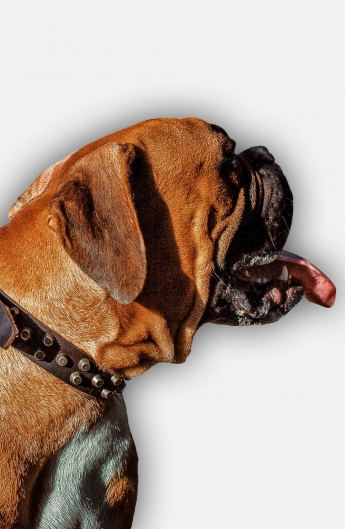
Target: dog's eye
[216, 128]
[229, 144]
[230, 164]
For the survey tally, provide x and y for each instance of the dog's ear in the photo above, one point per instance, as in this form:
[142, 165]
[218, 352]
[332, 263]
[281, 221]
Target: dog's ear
[94, 214]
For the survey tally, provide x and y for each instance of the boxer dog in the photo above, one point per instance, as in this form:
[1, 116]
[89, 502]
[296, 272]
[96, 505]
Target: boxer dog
[111, 261]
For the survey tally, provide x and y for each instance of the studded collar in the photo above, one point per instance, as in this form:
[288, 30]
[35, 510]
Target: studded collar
[50, 351]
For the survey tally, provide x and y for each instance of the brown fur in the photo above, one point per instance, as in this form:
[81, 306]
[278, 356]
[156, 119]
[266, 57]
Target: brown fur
[113, 248]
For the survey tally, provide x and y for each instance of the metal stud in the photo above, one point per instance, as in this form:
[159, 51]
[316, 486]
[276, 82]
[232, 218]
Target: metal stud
[62, 359]
[106, 394]
[120, 388]
[40, 355]
[84, 364]
[75, 378]
[97, 381]
[14, 311]
[25, 334]
[116, 380]
[48, 339]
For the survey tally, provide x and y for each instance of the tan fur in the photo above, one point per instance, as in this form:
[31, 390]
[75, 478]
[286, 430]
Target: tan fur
[173, 206]
[36, 188]
[119, 488]
[37, 424]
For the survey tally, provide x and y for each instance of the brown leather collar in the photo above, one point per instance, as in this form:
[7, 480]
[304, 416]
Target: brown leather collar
[50, 351]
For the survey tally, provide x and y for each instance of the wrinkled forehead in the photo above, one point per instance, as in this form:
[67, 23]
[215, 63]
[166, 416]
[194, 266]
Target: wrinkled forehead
[177, 143]
[174, 147]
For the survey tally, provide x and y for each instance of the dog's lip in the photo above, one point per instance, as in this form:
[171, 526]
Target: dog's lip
[318, 288]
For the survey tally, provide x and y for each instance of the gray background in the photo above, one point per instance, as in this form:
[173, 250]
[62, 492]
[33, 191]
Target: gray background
[249, 432]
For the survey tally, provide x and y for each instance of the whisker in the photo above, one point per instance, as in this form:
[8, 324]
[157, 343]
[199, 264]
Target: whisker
[219, 278]
[286, 224]
[272, 241]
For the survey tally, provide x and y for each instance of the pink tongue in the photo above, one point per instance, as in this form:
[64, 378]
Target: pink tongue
[318, 288]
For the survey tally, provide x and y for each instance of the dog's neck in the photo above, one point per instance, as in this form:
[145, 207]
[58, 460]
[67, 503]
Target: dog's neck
[40, 276]
[43, 413]
[34, 275]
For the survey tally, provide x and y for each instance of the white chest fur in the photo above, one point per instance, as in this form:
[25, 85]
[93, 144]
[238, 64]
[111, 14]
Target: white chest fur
[71, 492]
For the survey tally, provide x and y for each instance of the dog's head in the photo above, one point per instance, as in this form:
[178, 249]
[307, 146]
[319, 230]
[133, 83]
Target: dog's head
[179, 230]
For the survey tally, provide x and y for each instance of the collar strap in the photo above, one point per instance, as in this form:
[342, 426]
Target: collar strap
[50, 351]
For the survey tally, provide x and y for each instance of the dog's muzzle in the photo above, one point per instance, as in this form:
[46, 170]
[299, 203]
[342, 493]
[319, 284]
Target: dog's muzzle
[259, 283]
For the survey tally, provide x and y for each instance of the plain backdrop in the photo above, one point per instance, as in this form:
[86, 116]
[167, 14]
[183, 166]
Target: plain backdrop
[249, 432]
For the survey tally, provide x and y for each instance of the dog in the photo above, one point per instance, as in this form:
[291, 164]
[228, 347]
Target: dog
[111, 261]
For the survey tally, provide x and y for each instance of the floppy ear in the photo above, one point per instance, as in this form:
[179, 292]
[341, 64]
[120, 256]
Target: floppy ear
[94, 213]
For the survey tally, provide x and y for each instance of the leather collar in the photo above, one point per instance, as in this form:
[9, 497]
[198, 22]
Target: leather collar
[50, 351]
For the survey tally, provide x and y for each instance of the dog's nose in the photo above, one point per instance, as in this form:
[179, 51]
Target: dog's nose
[269, 209]
[257, 155]
[269, 190]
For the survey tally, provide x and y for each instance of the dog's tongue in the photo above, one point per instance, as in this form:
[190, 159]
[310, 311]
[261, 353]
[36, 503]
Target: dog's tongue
[318, 288]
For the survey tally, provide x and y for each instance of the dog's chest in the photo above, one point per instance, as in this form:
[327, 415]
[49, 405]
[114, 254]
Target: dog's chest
[72, 490]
